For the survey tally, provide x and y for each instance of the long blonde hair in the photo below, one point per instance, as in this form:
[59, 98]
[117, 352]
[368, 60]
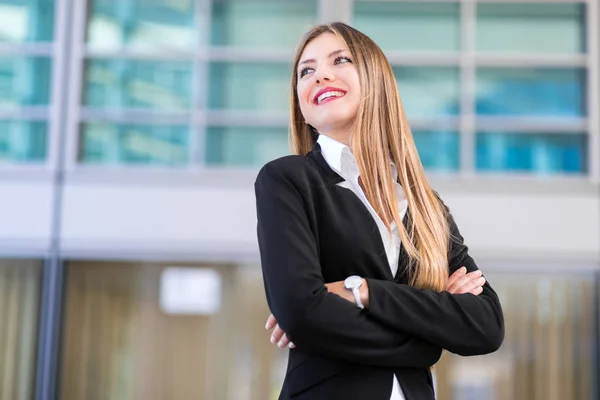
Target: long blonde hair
[380, 132]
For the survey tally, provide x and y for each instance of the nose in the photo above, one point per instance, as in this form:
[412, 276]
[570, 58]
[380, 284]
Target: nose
[324, 74]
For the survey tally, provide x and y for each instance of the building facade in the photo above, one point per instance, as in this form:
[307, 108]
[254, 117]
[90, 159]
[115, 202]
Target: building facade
[131, 132]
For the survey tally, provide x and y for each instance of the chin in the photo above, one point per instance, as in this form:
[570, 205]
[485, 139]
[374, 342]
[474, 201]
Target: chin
[335, 121]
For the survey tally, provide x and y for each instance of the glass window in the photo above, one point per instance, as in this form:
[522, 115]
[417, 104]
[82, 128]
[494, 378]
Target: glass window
[23, 141]
[110, 144]
[258, 23]
[20, 290]
[438, 150]
[164, 85]
[409, 26]
[429, 92]
[141, 24]
[549, 346]
[531, 28]
[26, 21]
[532, 152]
[122, 338]
[240, 146]
[531, 92]
[24, 81]
[249, 86]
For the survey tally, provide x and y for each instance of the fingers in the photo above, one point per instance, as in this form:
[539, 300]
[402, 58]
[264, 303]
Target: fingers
[473, 286]
[461, 279]
[271, 322]
[278, 336]
[459, 273]
[467, 283]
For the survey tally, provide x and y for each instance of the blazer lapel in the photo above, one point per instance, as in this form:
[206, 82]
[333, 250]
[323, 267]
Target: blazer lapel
[330, 174]
[334, 178]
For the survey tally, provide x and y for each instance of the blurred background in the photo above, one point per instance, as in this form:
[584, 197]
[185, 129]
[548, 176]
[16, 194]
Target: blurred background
[131, 132]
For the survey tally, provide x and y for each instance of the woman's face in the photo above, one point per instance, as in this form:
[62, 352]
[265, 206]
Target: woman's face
[328, 86]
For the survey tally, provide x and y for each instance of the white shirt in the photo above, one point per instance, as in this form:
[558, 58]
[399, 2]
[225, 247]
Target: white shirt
[341, 160]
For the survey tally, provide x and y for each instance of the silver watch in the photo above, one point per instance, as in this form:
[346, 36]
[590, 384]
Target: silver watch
[353, 283]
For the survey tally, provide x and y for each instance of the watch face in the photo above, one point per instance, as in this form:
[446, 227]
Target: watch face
[353, 281]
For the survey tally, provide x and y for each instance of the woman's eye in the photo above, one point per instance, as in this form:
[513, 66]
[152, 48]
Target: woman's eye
[341, 60]
[304, 71]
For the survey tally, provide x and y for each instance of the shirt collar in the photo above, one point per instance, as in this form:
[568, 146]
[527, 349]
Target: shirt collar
[333, 151]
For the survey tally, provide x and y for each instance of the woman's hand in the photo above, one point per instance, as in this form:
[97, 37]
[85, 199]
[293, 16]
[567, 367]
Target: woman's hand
[460, 282]
[278, 336]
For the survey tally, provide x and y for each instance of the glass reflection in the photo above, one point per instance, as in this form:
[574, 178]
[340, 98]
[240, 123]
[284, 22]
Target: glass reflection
[429, 92]
[26, 21]
[531, 28]
[439, 150]
[539, 154]
[141, 24]
[410, 26]
[531, 92]
[242, 146]
[164, 85]
[23, 141]
[249, 86]
[111, 144]
[257, 23]
[24, 81]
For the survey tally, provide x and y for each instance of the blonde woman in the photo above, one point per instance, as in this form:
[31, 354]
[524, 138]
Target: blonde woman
[365, 271]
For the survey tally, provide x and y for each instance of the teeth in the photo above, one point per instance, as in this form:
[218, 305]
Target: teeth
[327, 95]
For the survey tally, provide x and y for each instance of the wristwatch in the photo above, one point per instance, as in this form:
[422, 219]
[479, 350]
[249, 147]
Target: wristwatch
[353, 283]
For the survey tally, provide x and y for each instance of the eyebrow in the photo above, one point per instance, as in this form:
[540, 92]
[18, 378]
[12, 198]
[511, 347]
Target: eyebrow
[333, 53]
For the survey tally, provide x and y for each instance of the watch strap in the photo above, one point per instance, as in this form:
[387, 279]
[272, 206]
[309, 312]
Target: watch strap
[356, 293]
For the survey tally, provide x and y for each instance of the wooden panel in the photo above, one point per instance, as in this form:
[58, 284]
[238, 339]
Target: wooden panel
[20, 285]
[547, 352]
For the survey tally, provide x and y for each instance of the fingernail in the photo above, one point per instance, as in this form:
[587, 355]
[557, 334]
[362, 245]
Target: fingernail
[272, 339]
[463, 269]
[281, 345]
[267, 326]
[292, 346]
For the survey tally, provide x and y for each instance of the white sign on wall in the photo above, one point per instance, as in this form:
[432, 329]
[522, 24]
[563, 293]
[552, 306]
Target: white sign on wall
[192, 291]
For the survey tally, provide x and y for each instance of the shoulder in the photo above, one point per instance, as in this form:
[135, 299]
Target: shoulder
[292, 169]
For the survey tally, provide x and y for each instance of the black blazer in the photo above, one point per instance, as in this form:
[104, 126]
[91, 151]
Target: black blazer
[310, 232]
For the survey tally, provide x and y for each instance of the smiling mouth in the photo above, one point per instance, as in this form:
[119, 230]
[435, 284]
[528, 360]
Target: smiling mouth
[328, 96]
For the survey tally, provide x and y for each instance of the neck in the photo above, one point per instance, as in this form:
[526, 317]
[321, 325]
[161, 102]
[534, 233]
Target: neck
[340, 136]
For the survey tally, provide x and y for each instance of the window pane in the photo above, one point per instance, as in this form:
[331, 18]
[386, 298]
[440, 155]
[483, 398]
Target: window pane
[531, 92]
[429, 91]
[164, 85]
[257, 23]
[409, 26]
[238, 146]
[141, 24]
[526, 28]
[23, 141]
[24, 81]
[549, 347]
[535, 153]
[20, 289]
[26, 20]
[249, 86]
[438, 150]
[163, 145]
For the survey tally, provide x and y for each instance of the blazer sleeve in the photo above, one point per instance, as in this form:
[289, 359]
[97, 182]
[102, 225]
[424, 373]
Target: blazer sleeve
[464, 324]
[314, 319]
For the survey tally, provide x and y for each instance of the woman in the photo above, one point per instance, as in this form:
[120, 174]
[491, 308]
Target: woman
[365, 270]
